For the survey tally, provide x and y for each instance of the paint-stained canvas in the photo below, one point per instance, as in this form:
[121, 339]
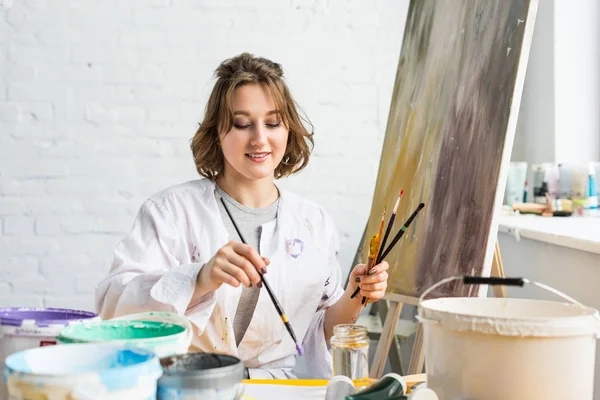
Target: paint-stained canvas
[449, 135]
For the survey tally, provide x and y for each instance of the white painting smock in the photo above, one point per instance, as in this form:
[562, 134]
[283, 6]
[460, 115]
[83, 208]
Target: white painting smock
[179, 229]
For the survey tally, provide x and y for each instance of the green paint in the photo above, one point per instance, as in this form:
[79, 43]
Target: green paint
[120, 330]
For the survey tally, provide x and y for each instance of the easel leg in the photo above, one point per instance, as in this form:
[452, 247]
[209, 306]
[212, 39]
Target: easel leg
[417, 357]
[394, 354]
[498, 271]
[385, 340]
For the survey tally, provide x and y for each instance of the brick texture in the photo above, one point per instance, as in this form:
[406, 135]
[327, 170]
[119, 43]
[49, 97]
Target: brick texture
[99, 98]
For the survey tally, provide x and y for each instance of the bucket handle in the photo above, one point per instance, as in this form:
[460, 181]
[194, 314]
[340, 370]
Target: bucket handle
[496, 281]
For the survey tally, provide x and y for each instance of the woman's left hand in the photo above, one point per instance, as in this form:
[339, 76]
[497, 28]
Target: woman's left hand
[373, 283]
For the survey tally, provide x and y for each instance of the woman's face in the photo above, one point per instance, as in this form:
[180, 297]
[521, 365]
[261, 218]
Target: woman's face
[256, 143]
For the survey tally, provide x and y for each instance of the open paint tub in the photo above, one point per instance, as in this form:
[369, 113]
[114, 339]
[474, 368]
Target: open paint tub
[201, 376]
[82, 372]
[25, 328]
[501, 348]
[163, 333]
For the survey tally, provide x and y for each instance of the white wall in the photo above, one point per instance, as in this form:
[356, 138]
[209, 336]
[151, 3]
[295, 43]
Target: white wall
[577, 80]
[559, 118]
[535, 126]
[99, 98]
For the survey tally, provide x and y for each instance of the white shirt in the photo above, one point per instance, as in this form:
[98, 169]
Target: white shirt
[179, 229]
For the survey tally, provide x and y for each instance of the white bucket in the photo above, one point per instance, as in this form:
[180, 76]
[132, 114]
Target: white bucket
[500, 348]
[82, 372]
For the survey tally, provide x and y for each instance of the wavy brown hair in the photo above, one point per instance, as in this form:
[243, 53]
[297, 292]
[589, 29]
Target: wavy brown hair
[218, 116]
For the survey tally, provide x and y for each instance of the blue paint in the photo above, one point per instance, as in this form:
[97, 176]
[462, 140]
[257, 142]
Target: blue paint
[17, 362]
[126, 366]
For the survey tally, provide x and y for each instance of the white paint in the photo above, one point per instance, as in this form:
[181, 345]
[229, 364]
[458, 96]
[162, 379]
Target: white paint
[99, 98]
[526, 345]
[574, 272]
[560, 110]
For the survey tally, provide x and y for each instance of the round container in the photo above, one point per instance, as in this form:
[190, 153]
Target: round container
[82, 372]
[25, 328]
[163, 338]
[500, 348]
[350, 348]
[201, 376]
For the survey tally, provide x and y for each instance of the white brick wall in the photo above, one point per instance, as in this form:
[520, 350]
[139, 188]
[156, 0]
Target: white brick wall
[99, 98]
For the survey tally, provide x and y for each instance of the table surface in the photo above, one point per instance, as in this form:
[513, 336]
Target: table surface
[581, 233]
[298, 389]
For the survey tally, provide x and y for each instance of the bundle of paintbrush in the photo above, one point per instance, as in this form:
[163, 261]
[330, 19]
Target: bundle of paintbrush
[380, 251]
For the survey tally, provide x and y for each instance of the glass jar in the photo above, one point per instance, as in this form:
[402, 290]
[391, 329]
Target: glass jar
[350, 347]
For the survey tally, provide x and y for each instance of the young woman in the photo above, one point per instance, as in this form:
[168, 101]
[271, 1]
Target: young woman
[184, 253]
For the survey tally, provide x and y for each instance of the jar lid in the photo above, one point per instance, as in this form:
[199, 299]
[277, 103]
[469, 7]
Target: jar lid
[349, 331]
[41, 317]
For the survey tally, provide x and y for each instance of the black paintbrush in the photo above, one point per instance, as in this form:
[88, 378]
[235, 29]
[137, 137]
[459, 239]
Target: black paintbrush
[402, 230]
[276, 303]
[389, 227]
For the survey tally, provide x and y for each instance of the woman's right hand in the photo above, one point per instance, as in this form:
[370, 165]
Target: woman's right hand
[234, 264]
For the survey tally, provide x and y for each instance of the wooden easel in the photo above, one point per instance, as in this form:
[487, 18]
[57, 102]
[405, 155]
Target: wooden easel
[417, 358]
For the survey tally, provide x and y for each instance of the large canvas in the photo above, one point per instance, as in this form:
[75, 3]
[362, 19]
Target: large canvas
[449, 135]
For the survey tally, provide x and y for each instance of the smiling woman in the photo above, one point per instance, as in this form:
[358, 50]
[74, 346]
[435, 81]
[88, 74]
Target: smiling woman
[201, 248]
[257, 141]
[233, 105]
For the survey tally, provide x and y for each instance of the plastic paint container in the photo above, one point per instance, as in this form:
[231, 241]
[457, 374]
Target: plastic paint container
[25, 328]
[162, 337]
[499, 348]
[82, 372]
[201, 376]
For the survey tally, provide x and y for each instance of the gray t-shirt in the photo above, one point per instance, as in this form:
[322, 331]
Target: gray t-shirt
[249, 221]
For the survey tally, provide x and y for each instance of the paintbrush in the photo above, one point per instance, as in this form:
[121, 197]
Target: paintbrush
[276, 303]
[373, 251]
[379, 234]
[402, 230]
[389, 227]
